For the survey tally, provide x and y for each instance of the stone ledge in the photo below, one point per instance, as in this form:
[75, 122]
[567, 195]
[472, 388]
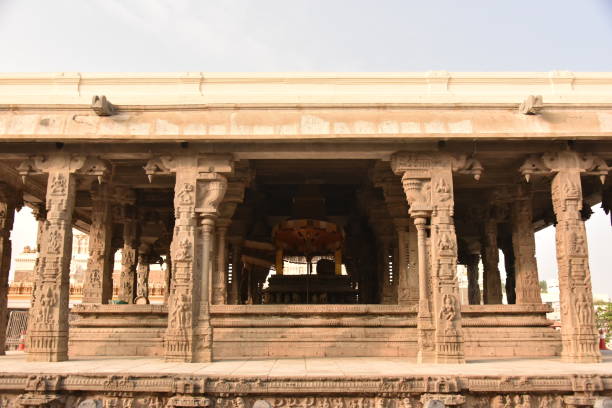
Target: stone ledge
[119, 309]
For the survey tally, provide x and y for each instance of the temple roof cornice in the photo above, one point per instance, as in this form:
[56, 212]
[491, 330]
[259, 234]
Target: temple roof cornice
[230, 90]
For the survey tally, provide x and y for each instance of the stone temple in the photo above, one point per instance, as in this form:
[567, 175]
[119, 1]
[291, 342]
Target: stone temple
[310, 227]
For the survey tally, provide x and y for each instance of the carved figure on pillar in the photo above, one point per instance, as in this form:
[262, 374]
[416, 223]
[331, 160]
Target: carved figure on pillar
[98, 282]
[198, 188]
[48, 332]
[142, 277]
[578, 330]
[428, 185]
[10, 200]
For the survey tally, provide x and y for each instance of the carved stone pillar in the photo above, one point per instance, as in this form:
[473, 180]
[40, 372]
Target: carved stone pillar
[199, 188]
[408, 284]
[98, 280]
[490, 262]
[578, 329]
[472, 275]
[220, 276]
[129, 259]
[388, 278]
[428, 185]
[48, 336]
[167, 278]
[233, 195]
[235, 297]
[509, 264]
[40, 214]
[523, 245]
[9, 201]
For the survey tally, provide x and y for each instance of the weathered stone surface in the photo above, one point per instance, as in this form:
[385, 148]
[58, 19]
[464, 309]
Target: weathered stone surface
[579, 333]
[9, 201]
[48, 331]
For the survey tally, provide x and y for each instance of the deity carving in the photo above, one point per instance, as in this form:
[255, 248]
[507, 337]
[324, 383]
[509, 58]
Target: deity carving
[445, 243]
[54, 243]
[448, 311]
[184, 251]
[185, 196]
[443, 190]
[180, 316]
[47, 302]
[583, 307]
[58, 184]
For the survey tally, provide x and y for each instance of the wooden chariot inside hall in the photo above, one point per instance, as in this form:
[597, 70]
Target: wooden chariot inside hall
[308, 216]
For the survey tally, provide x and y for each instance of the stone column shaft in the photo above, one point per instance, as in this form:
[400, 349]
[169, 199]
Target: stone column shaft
[184, 298]
[48, 336]
[425, 327]
[204, 328]
[472, 274]
[7, 216]
[523, 243]
[129, 261]
[236, 273]
[490, 261]
[199, 189]
[578, 329]
[403, 285]
[220, 275]
[167, 278]
[98, 281]
[428, 185]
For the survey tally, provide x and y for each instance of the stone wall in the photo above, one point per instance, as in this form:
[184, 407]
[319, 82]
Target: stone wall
[247, 331]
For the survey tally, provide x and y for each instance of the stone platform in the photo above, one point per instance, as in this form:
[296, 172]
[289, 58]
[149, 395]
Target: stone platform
[303, 382]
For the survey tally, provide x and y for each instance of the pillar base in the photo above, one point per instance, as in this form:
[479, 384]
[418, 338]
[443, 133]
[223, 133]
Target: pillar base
[425, 357]
[203, 346]
[581, 359]
[450, 360]
[49, 357]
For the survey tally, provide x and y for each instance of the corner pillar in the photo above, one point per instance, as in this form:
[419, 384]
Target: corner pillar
[428, 185]
[578, 330]
[48, 337]
[10, 200]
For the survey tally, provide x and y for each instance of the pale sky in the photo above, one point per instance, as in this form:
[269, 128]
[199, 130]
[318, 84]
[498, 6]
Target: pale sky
[316, 35]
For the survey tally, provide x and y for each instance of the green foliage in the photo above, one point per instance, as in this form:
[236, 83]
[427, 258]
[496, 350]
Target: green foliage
[543, 286]
[603, 315]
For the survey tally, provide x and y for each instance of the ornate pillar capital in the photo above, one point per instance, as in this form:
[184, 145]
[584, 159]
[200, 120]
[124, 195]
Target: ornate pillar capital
[567, 160]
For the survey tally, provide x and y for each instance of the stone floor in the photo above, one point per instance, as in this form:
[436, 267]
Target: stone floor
[15, 362]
